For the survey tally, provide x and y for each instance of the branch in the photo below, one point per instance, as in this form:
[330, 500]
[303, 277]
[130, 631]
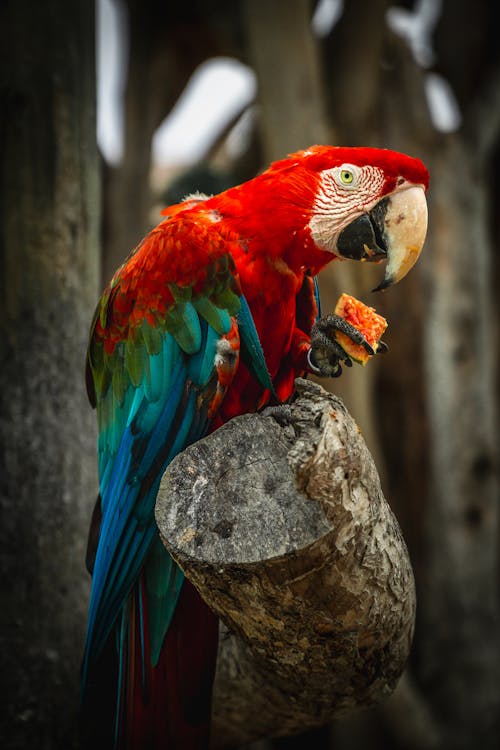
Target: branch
[282, 526]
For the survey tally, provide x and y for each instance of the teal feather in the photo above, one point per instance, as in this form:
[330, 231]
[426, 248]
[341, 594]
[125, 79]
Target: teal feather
[163, 580]
[135, 405]
[105, 469]
[201, 365]
[135, 422]
[152, 392]
[152, 337]
[134, 362]
[217, 317]
[152, 377]
[317, 297]
[251, 349]
[187, 330]
[121, 669]
[171, 354]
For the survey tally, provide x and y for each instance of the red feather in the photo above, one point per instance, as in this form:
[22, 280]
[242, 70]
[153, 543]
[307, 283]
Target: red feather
[173, 709]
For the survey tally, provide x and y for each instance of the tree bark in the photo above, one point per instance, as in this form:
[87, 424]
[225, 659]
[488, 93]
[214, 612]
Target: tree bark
[459, 648]
[279, 521]
[354, 79]
[49, 199]
[460, 582]
[283, 52]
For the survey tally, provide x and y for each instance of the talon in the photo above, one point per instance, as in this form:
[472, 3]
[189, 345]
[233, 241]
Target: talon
[382, 348]
[282, 414]
[367, 347]
[312, 366]
[338, 371]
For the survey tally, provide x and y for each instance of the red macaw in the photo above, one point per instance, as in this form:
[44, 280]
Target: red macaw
[211, 316]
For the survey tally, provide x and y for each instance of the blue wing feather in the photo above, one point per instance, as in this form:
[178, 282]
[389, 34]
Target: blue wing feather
[123, 507]
[251, 349]
[317, 297]
[142, 427]
[146, 417]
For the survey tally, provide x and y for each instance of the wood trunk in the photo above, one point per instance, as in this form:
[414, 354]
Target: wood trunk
[49, 205]
[281, 524]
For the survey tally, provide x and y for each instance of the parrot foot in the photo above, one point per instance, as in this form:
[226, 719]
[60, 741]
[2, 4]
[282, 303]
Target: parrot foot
[282, 414]
[326, 355]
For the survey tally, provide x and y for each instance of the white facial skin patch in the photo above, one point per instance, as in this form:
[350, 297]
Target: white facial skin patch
[345, 192]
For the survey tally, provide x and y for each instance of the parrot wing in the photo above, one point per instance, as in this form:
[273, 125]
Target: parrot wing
[164, 347]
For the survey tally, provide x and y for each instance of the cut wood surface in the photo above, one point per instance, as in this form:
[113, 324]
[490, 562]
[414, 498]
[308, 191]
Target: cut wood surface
[280, 522]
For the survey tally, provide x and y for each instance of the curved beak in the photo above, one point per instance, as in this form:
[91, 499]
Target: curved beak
[394, 229]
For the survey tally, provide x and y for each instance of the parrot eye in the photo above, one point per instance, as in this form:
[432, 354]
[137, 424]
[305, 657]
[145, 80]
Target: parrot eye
[346, 175]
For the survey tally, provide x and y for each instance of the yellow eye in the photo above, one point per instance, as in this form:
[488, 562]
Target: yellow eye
[346, 176]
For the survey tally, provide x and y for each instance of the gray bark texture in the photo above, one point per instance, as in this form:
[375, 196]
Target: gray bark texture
[49, 210]
[461, 577]
[299, 120]
[280, 522]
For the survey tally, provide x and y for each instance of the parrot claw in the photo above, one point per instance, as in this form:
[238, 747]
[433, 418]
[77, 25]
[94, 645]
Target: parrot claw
[325, 354]
[382, 348]
[282, 414]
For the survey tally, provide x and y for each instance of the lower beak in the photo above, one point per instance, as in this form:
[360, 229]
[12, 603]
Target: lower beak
[394, 229]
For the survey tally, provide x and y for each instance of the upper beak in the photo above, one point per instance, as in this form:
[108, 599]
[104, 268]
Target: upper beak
[395, 229]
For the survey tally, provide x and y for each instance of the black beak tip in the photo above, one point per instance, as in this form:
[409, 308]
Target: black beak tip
[384, 284]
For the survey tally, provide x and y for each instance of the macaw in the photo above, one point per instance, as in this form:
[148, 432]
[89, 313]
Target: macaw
[213, 315]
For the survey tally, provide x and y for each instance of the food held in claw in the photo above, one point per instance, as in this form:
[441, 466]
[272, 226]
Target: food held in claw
[365, 320]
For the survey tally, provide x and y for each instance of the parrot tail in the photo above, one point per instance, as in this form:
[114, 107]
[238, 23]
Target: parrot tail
[166, 705]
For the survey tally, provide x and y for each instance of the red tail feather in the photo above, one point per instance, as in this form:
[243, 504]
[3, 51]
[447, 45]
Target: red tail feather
[171, 708]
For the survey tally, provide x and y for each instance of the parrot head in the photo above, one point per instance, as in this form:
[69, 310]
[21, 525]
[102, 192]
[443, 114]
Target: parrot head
[367, 204]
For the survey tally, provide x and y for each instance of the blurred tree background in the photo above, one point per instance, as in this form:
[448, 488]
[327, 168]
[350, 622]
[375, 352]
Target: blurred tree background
[421, 77]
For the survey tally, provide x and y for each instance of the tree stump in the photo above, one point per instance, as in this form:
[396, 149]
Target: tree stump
[279, 521]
